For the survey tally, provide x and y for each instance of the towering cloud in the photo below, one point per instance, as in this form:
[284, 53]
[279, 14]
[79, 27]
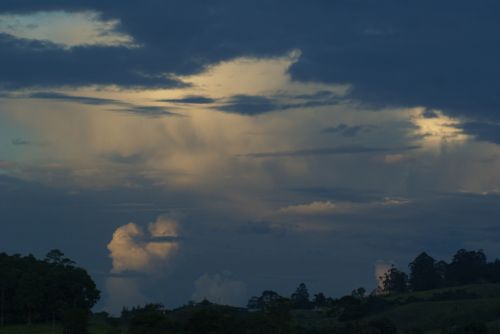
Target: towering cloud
[133, 250]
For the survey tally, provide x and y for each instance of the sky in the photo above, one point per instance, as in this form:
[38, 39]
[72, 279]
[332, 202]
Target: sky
[182, 150]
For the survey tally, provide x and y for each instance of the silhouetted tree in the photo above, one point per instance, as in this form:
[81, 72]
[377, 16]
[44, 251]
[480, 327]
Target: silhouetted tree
[57, 257]
[493, 271]
[33, 290]
[319, 300]
[29, 295]
[300, 299]
[466, 267]
[265, 301]
[423, 273]
[441, 268]
[394, 281]
[358, 293]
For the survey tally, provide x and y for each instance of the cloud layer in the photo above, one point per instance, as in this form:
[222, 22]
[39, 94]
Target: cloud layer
[329, 135]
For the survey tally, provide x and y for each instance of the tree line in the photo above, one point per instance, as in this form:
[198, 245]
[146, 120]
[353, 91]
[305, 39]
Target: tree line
[426, 273]
[53, 290]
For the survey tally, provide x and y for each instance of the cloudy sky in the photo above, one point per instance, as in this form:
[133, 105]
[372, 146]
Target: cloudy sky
[188, 149]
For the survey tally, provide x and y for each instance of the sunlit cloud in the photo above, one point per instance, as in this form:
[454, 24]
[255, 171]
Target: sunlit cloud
[65, 28]
[132, 250]
[101, 137]
[256, 76]
[329, 141]
[437, 129]
[331, 207]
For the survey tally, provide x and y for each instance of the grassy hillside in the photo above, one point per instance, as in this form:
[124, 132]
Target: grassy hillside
[49, 329]
[424, 312]
[416, 312]
[429, 310]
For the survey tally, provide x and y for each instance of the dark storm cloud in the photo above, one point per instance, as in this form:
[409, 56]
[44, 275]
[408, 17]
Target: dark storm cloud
[338, 194]
[252, 105]
[72, 98]
[343, 150]
[323, 94]
[28, 63]
[193, 99]
[152, 111]
[437, 54]
[348, 130]
[249, 105]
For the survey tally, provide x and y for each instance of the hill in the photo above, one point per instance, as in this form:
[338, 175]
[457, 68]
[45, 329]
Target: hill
[465, 309]
[445, 308]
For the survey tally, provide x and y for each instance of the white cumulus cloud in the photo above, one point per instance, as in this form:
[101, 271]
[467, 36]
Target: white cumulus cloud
[131, 249]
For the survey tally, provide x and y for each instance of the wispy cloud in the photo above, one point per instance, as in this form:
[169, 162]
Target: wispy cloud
[73, 98]
[153, 111]
[191, 99]
[330, 151]
[252, 105]
[348, 130]
[334, 207]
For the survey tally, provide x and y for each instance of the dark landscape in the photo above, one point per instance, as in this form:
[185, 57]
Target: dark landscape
[249, 166]
[54, 295]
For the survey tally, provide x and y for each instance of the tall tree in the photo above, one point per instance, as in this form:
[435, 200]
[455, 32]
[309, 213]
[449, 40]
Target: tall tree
[358, 293]
[35, 290]
[424, 274]
[300, 298]
[466, 267]
[394, 281]
[319, 300]
[55, 256]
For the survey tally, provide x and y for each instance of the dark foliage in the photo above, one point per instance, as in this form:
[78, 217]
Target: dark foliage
[54, 289]
[150, 321]
[300, 299]
[395, 281]
[319, 300]
[267, 300]
[466, 267]
[424, 274]
[75, 320]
